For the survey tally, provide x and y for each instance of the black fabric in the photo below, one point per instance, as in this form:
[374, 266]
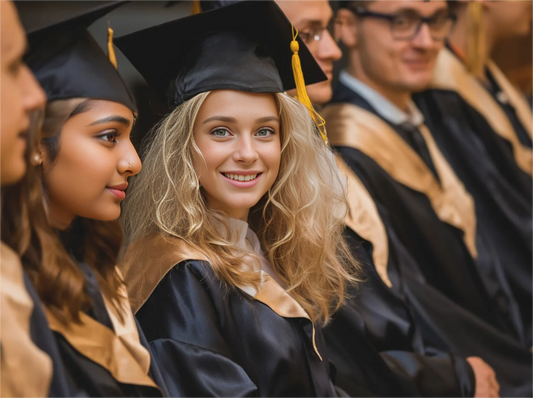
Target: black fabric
[437, 247]
[410, 134]
[414, 315]
[88, 377]
[67, 61]
[502, 193]
[212, 340]
[43, 337]
[382, 316]
[509, 110]
[244, 46]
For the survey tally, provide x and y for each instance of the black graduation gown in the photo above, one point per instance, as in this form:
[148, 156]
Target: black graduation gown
[438, 248]
[212, 340]
[376, 313]
[444, 325]
[44, 338]
[464, 125]
[97, 360]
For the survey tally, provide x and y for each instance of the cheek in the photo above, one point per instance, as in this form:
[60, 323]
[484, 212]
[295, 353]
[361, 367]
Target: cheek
[272, 159]
[11, 110]
[81, 172]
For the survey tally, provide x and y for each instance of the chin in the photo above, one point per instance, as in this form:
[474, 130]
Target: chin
[12, 175]
[110, 214]
[320, 93]
[419, 82]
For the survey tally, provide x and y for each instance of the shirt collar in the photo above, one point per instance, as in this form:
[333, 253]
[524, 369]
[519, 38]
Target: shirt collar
[386, 109]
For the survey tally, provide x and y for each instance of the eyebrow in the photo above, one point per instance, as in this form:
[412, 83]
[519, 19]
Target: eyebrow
[267, 119]
[114, 118]
[226, 119]
[229, 119]
[311, 23]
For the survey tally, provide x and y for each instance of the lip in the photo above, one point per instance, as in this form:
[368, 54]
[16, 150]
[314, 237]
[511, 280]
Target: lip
[120, 187]
[118, 190]
[242, 184]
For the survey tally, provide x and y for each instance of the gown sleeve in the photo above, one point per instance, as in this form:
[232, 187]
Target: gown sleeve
[182, 325]
[383, 317]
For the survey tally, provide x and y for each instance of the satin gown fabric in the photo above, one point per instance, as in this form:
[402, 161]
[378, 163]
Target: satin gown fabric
[445, 322]
[437, 247]
[212, 340]
[502, 191]
[89, 378]
[382, 315]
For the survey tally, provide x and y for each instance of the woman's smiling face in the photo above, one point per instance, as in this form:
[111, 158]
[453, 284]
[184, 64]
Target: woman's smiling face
[238, 134]
[89, 174]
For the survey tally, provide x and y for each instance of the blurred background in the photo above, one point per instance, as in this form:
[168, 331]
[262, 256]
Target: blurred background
[515, 57]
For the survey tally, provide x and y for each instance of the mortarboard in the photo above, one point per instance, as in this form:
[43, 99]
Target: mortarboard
[244, 46]
[65, 58]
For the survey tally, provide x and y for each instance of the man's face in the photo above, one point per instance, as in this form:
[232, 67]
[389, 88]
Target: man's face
[311, 17]
[20, 95]
[400, 65]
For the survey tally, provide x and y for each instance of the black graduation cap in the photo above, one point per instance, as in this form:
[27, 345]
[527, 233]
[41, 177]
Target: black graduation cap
[244, 46]
[65, 58]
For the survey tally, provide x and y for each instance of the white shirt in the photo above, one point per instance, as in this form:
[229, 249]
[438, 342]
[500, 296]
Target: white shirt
[386, 109]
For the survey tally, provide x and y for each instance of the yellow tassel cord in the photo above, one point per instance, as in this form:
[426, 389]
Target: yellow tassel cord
[300, 87]
[476, 39]
[110, 48]
[195, 7]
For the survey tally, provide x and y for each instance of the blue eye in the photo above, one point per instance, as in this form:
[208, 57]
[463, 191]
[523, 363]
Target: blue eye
[220, 133]
[264, 133]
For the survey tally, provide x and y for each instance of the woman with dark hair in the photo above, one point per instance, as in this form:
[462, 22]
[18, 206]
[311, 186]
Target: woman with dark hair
[27, 346]
[87, 157]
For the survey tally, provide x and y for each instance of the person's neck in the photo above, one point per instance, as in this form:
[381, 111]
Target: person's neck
[458, 39]
[59, 219]
[399, 98]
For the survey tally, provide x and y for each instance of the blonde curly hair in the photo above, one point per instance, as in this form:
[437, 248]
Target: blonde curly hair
[299, 221]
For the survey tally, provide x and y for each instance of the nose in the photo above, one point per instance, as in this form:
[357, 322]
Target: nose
[328, 49]
[33, 95]
[129, 163]
[423, 38]
[245, 151]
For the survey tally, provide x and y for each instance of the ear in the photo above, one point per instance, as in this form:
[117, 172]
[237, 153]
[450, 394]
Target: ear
[346, 28]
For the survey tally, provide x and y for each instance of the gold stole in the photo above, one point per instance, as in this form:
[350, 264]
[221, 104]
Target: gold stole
[149, 259]
[363, 218]
[120, 352]
[452, 75]
[349, 125]
[26, 371]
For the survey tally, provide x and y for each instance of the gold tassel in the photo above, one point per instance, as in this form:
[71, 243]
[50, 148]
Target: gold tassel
[300, 87]
[110, 48]
[195, 7]
[476, 39]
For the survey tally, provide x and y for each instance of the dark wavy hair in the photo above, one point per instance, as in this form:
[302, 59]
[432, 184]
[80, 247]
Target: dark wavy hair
[50, 261]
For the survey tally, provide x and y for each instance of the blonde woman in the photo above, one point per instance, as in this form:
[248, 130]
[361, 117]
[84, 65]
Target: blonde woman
[236, 255]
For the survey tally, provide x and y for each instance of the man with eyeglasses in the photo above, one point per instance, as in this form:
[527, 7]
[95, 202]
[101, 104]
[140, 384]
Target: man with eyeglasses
[483, 126]
[312, 18]
[392, 48]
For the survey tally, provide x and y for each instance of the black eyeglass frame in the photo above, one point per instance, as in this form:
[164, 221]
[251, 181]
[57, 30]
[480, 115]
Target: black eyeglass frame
[364, 13]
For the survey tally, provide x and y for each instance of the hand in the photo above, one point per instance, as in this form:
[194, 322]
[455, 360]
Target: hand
[486, 383]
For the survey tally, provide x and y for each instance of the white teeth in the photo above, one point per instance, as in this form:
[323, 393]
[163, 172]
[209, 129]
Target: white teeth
[240, 177]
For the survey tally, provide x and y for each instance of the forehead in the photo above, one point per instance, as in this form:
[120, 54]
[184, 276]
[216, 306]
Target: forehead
[12, 38]
[422, 7]
[302, 12]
